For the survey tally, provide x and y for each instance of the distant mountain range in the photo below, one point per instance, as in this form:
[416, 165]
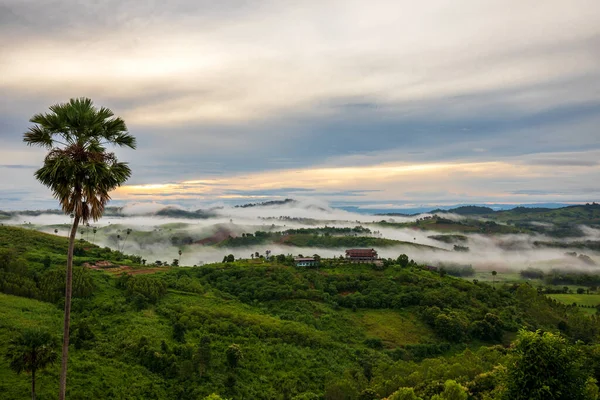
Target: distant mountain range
[480, 208]
[176, 212]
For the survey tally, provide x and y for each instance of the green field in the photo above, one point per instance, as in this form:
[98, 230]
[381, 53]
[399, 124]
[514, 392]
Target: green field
[580, 299]
[585, 300]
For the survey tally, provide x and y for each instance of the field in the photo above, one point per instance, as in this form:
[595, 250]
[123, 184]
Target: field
[585, 300]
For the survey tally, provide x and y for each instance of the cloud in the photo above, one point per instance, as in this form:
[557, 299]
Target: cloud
[512, 179]
[381, 56]
[219, 90]
[18, 166]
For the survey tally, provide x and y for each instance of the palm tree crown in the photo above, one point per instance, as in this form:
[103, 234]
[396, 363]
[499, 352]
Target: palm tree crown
[77, 168]
[32, 350]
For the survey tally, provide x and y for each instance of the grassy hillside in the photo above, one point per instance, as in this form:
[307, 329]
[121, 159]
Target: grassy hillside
[40, 249]
[332, 333]
[317, 240]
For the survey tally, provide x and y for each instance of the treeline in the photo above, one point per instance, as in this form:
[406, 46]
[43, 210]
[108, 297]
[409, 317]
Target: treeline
[563, 277]
[583, 244]
[305, 237]
[328, 230]
[46, 283]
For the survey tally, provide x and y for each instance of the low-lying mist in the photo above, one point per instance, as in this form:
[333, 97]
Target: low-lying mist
[160, 238]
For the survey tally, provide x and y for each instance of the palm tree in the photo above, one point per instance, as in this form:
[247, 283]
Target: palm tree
[56, 231]
[80, 172]
[179, 252]
[494, 273]
[128, 231]
[31, 351]
[94, 238]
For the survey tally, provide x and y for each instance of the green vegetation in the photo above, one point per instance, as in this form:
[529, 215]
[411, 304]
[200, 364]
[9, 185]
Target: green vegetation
[559, 222]
[441, 224]
[269, 330]
[327, 237]
[450, 239]
[581, 299]
[544, 365]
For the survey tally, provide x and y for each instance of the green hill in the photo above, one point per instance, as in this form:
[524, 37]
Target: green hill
[331, 333]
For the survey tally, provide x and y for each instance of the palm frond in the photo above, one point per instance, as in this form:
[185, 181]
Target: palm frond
[38, 136]
[81, 174]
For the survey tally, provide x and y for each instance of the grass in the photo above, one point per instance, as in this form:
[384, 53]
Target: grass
[18, 313]
[580, 299]
[586, 300]
[392, 327]
[501, 277]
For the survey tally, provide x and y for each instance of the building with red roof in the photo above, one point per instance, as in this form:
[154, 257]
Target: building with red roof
[361, 255]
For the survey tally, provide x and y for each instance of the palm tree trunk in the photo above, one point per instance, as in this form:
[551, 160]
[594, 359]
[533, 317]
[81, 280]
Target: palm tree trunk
[33, 384]
[68, 291]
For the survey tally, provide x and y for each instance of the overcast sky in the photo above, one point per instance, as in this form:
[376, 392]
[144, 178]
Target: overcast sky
[381, 103]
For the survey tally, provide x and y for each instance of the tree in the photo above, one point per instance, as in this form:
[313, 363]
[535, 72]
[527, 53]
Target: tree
[452, 391]
[179, 332]
[368, 394]
[403, 260]
[203, 355]
[234, 355]
[180, 253]
[128, 232]
[545, 366]
[404, 394]
[31, 351]
[494, 273]
[94, 238]
[213, 396]
[80, 172]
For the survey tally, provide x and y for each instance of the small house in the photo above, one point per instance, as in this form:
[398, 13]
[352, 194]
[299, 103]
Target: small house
[306, 262]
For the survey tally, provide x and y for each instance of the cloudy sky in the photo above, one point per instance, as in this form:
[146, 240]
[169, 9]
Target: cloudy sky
[377, 104]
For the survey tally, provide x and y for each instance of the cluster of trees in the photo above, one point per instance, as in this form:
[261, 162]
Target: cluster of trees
[406, 288]
[46, 283]
[142, 290]
[456, 326]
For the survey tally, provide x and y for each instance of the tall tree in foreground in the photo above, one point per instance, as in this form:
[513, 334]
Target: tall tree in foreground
[31, 351]
[545, 366]
[79, 171]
